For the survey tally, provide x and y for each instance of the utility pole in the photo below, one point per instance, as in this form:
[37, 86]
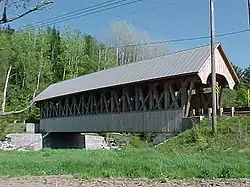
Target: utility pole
[213, 71]
[248, 2]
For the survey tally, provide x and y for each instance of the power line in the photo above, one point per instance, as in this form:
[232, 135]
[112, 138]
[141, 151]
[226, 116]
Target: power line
[95, 12]
[73, 12]
[85, 13]
[79, 12]
[144, 10]
[147, 9]
[188, 39]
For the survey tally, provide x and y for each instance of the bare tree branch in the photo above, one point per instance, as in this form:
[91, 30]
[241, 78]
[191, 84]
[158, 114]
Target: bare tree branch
[17, 112]
[5, 89]
[38, 82]
[39, 6]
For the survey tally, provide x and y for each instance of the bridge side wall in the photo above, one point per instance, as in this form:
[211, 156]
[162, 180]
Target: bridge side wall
[151, 121]
[156, 106]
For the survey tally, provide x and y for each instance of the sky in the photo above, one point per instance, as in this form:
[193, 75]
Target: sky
[175, 19]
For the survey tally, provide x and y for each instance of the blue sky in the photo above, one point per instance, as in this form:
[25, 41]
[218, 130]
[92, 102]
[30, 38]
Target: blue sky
[184, 19]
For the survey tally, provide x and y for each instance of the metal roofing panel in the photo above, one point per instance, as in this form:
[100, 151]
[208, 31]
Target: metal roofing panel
[177, 63]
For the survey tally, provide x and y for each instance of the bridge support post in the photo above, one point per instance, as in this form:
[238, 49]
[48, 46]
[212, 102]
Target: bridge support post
[232, 111]
[221, 111]
[209, 113]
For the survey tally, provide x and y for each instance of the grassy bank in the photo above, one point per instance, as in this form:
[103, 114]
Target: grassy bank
[233, 134]
[194, 153]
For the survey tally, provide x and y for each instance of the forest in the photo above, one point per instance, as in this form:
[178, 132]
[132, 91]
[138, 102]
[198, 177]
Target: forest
[36, 58]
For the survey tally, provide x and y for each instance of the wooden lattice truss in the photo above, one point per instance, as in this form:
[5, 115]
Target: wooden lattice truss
[155, 95]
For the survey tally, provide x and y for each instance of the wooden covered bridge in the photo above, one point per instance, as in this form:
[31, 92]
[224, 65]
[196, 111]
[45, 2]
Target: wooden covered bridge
[153, 95]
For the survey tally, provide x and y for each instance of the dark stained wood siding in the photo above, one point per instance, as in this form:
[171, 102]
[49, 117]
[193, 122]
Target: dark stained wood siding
[169, 121]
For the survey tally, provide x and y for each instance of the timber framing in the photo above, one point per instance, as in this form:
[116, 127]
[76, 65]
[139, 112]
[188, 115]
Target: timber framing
[149, 96]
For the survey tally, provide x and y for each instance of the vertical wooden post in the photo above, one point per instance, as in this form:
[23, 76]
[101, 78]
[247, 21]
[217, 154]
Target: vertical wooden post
[232, 111]
[66, 107]
[221, 111]
[91, 103]
[83, 105]
[142, 100]
[101, 103]
[184, 94]
[151, 98]
[198, 101]
[112, 102]
[41, 109]
[193, 112]
[166, 97]
[202, 111]
[124, 100]
[209, 113]
[189, 98]
[136, 99]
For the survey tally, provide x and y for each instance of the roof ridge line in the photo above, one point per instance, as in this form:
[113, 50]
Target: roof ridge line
[174, 52]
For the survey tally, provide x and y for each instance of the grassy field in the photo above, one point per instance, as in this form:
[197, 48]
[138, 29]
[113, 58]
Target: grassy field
[126, 164]
[193, 154]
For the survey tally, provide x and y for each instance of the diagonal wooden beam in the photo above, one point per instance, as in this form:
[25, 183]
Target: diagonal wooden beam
[174, 98]
[158, 98]
[143, 99]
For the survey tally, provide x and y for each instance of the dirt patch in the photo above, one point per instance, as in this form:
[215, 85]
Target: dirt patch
[69, 181]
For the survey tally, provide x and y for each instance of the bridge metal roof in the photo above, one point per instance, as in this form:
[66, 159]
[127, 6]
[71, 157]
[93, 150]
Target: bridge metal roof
[173, 64]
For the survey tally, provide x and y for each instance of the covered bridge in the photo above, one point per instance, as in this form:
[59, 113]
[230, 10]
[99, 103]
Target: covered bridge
[148, 96]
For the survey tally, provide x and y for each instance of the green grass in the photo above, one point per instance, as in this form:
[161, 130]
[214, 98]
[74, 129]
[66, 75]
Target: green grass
[129, 163]
[193, 154]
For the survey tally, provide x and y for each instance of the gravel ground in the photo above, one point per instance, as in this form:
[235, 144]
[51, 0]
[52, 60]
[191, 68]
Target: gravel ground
[69, 181]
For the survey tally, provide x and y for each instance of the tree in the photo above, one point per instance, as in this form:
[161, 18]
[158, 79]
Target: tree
[24, 7]
[229, 98]
[238, 96]
[55, 53]
[239, 71]
[127, 40]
